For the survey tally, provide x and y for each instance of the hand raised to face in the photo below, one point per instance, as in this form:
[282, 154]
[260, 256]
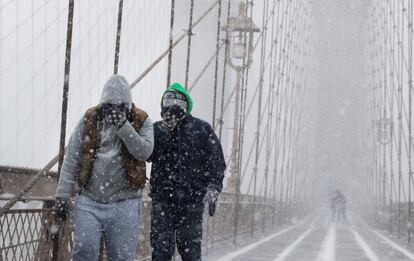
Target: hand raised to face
[115, 114]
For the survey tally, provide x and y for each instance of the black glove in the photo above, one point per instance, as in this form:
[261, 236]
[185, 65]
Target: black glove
[115, 114]
[211, 199]
[61, 208]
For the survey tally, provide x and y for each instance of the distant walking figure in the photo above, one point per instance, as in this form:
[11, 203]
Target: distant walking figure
[338, 206]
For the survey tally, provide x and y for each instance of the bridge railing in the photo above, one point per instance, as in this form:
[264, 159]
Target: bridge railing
[25, 234]
[30, 234]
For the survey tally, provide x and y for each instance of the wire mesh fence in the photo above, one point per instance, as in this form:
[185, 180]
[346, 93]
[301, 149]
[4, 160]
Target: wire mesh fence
[25, 234]
[29, 234]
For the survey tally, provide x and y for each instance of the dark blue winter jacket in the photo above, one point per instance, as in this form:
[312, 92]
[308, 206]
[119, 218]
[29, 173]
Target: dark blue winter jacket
[185, 162]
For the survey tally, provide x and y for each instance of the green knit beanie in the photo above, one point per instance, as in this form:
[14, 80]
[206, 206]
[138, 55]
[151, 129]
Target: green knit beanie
[179, 88]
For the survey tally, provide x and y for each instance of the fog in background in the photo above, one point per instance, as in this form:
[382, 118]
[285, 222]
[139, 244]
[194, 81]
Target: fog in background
[342, 104]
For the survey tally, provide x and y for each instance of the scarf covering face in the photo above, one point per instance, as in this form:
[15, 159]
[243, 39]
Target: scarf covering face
[174, 107]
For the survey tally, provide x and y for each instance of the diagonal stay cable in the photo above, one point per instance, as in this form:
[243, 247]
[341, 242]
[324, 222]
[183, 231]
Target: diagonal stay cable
[176, 42]
[194, 84]
[28, 186]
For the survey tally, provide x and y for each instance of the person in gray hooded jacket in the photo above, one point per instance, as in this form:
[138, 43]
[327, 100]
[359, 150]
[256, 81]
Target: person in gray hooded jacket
[105, 158]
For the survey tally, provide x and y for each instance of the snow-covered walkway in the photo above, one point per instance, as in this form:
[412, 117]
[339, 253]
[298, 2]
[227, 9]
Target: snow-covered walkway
[318, 239]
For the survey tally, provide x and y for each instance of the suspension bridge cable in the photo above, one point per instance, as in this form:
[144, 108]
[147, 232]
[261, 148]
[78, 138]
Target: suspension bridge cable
[259, 112]
[224, 73]
[66, 84]
[118, 36]
[205, 67]
[390, 22]
[248, 112]
[216, 67]
[189, 37]
[175, 43]
[170, 44]
[410, 87]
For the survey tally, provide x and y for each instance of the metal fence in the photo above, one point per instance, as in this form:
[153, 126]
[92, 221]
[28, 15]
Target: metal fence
[30, 234]
[25, 234]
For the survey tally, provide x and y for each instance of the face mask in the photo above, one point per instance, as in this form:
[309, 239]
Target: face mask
[172, 115]
[114, 112]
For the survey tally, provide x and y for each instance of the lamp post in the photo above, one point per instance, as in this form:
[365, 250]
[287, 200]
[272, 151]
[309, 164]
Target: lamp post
[240, 30]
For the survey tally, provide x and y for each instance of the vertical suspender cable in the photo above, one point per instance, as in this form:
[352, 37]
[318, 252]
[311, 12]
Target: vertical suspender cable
[373, 73]
[66, 84]
[243, 102]
[289, 105]
[262, 55]
[400, 126]
[379, 109]
[170, 45]
[235, 152]
[410, 137]
[55, 250]
[17, 79]
[302, 85]
[239, 99]
[276, 40]
[374, 100]
[385, 112]
[382, 81]
[377, 104]
[284, 181]
[289, 112]
[118, 36]
[381, 113]
[272, 129]
[270, 119]
[223, 84]
[298, 103]
[189, 35]
[215, 104]
[216, 64]
[293, 100]
[281, 94]
[391, 108]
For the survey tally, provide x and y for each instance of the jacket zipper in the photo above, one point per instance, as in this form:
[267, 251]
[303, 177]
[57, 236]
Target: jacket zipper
[179, 163]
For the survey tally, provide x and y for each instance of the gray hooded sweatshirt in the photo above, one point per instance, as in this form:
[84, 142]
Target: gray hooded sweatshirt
[108, 182]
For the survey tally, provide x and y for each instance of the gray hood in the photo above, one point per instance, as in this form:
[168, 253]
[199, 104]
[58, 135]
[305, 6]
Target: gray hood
[116, 91]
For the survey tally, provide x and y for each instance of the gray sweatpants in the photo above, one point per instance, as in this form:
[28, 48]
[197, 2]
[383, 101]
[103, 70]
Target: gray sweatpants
[117, 222]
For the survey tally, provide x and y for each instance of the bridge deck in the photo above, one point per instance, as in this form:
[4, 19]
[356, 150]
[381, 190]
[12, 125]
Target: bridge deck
[317, 239]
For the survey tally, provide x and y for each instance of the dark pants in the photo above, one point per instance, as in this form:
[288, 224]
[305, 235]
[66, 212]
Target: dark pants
[170, 224]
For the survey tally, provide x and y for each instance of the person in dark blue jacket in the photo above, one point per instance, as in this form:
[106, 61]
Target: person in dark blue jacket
[187, 172]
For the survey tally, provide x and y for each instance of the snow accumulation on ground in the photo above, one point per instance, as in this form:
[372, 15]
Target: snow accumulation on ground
[327, 252]
[319, 240]
[363, 244]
